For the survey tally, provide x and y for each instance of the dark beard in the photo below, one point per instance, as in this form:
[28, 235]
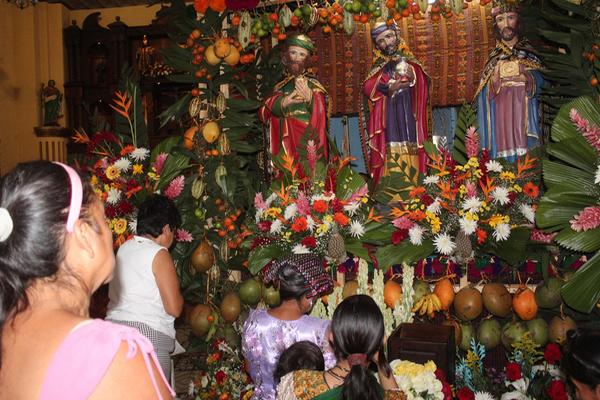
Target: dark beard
[507, 33]
[295, 68]
[389, 50]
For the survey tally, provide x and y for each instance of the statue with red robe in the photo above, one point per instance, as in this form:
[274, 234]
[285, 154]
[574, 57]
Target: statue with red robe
[298, 105]
[397, 90]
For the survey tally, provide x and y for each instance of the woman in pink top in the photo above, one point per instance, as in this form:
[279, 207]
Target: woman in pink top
[55, 251]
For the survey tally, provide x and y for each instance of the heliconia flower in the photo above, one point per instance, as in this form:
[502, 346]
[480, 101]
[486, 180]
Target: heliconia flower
[159, 163]
[494, 166]
[311, 155]
[259, 203]
[472, 142]
[444, 244]
[590, 132]
[402, 223]
[123, 164]
[175, 187]
[113, 196]
[290, 211]
[140, 154]
[300, 249]
[182, 235]
[588, 218]
[501, 232]
[302, 204]
[356, 229]
[415, 235]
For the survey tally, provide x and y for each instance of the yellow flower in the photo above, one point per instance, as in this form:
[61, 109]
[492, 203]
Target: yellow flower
[152, 176]
[328, 218]
[287, 235]
[273, 212]
[462, 189]
[472, 358]
[508, 176]
[119, 226]
[461, 167]
[434, 221]
[138, 169]
[323, 228]
[473, 162]
[517, 188]
[94, 180]
[471, 217]
[478, 173]
[112, 172]
[498, 219]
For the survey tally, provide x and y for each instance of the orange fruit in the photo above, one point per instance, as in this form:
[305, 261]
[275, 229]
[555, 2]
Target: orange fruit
[188, 137]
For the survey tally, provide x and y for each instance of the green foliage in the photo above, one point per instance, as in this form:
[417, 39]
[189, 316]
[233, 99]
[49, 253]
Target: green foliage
[465, 119]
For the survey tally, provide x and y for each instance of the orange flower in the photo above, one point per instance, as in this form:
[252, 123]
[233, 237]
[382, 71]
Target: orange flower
[127, 149]
[417, 215]
[201, 6]
[481, 236]
[217, 5]
[300, 224]
[320, 206]
[416, 192]
[531, 190]
[341, 219]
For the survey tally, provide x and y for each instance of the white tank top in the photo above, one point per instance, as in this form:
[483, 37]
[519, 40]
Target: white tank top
[133, 292]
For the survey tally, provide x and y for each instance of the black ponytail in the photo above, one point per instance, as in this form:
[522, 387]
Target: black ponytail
[357, 328]
[581, 356]
[37, 196]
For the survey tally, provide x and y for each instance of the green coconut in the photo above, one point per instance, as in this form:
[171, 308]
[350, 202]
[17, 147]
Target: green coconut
[467, 333]
[538, 328]
[547, 293]
[511, 333]
[489, 333]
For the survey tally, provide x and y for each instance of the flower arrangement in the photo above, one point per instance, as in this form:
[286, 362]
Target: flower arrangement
[462, 207]
[417, 381]
[224, 377]
[471, 377]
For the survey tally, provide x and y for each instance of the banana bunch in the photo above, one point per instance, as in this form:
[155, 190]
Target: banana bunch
[428, 304]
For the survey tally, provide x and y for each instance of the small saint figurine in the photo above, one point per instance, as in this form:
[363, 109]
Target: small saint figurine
[51, 100]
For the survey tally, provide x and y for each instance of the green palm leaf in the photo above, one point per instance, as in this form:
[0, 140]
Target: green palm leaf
[582, 291]
[584, 242]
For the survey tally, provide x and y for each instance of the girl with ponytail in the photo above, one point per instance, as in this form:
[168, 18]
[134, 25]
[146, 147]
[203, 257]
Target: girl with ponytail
[55, 251]
[357, 338]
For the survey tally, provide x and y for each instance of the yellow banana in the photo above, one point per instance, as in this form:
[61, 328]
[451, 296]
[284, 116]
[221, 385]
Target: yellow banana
[418, 304]
[430, 306]
[423, 308]
[437, 304]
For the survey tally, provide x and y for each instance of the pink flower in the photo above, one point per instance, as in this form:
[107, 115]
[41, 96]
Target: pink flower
[259, 202]
[264, 226]
[311, 155]
[590, 132]
[539, 236]
[302, 204]
[403, 223]
[472, 142]
[471, 189]
[361, 192]
[175, 187]
[159, 163]
[588, 218]
[182, 235]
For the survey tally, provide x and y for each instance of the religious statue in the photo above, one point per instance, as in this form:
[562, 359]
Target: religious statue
[297, 106]
[397, 90]
[145, 57]
[51, 99]
[508, 112]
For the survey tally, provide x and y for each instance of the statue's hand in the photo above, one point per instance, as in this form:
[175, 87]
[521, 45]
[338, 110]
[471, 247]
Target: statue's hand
[292, 98]
[303, 90]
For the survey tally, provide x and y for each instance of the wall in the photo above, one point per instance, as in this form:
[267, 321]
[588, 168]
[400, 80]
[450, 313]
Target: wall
[32, 52]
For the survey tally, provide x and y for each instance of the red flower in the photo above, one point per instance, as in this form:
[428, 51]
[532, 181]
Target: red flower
[300, 224]
[531, 190]
[513, 371]
[337, 205]
[552, 353]
[341, 219]
[264, 226]
[320, 206]
[557, 390]
[426, 200]
[220, 377]
[399, 235]
[465, 394]
[481, 236]
[309, 242]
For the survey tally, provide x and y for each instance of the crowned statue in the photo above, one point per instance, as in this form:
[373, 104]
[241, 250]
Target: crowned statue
[507, 100]
[397, 91]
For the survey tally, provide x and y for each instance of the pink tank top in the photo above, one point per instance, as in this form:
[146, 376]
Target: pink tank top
[85, 355]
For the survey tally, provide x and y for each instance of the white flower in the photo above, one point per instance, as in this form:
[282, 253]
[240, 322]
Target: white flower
[527, 212]
[123, 164]
[431, 180]
[300, 249]
[276, 227]
[597, 178]
[435, 207]
[310, 222]
[415, 235]
[352, 208]
[270, 199]
[204, 381]
[468, 226]
[494, 166]
[483, 396]
[444, 244]
[191, 388]
[356, 229]
[502, 232]
[290, 211]
[471, 204]
[133, 225]
[114, 195]
[140, 154]
[500, 195]
[258, 216]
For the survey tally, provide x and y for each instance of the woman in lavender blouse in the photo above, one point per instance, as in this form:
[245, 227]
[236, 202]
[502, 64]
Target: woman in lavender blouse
[267, 333]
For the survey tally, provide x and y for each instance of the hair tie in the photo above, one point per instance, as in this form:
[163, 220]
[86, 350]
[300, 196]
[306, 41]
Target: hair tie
[6, 224]
[76, 196]
[357, 359]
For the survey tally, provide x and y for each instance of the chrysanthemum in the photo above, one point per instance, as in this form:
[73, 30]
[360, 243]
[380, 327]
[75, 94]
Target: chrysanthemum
[444, 244]
[123, 164]
[352, 208]
[140, 154]
[300, 249]
[527, 212]
[435, 207]
[356, 229]
[431, 180]
[500, 195]
[290, 211]
[113, 196]
[133, 225]
[494, 166]
[415, 235]
[276, 227]
[501, 232]
[311, 223]
[138, 169]
[483, 396]
[468, 226]
[471, 204]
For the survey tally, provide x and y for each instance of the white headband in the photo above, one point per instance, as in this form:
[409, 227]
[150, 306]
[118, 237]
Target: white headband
[6, 224]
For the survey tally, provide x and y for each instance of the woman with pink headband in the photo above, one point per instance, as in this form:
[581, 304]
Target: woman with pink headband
[55, 251]
[357, 337]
